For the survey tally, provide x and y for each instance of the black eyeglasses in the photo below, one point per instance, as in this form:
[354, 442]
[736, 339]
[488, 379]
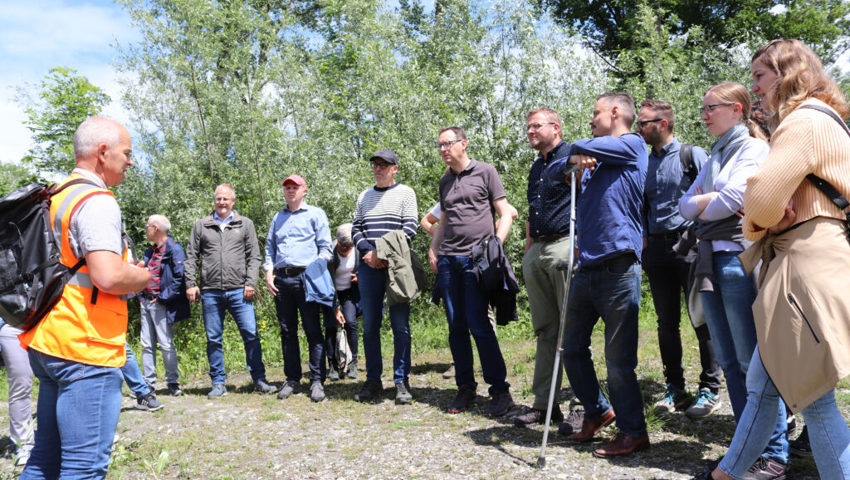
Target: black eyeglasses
[640, 125]
[706, 109]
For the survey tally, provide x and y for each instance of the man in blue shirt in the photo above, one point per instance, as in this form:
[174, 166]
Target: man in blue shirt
[607, 281]
[298, 235]
[669, 175]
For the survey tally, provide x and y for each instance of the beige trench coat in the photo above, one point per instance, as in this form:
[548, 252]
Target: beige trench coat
[802, 311]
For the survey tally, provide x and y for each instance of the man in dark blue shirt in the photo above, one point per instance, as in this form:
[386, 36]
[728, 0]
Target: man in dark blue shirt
[607, 281]
[669, 175]
[547, 245]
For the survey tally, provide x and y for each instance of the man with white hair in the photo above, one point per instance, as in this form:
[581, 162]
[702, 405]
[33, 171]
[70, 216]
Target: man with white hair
[163, 302]
[77, 349]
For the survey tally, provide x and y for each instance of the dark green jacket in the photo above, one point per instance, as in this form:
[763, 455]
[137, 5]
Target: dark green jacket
[229, 257]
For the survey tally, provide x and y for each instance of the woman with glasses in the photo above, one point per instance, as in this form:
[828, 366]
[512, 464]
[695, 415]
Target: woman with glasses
[727, 292]
[802, 309]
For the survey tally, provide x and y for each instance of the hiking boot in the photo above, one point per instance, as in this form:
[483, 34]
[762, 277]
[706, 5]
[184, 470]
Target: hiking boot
[402, 394]
[288, 389]
[370, 392]
[465, 397]
[500, 404]
[672, 400]
[352, 371]
[333, 374]
[800, 446]
[766, 469]
[261, 386]
[572, 423]
[538, 416]
[706, 403]
[175, 390]
[149, 403]
[622, 445]
[589, 428]
[218, 391]
[450, 373]
[317, 392]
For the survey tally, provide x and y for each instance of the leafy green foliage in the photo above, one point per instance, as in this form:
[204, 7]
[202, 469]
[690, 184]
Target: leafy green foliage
[14, 176]
[63, 100]
[613, 27]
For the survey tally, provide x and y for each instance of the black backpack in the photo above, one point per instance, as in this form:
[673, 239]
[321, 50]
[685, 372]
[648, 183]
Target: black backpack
[31, 276]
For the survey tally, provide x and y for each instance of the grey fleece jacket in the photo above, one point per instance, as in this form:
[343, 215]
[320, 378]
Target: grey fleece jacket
[230, 256]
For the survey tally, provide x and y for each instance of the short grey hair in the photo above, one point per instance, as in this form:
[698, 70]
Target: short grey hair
[161, 222]
[227, 186]
[93, 132]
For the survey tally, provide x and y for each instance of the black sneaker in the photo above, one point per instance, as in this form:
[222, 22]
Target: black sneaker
[261, 386]
[465, 397]
[501, 404]
[149, 403]
[288, 389]
[571, 424]
[801, 446]
[538, 416]
[766, 469]
[174, 389]
[402, 394]
[371, 391]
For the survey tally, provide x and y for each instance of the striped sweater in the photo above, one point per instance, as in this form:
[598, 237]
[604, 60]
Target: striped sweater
[380, 210]
[807, 141]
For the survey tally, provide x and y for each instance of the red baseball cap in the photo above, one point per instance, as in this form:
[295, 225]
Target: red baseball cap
[296, 179]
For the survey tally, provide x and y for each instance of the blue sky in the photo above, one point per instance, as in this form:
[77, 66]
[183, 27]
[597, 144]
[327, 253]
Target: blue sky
[37, 35]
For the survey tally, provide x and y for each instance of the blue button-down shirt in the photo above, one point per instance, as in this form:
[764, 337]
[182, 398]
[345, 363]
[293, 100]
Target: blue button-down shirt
[609, 208]
[548, 198]
[665, 185]
[297, 238]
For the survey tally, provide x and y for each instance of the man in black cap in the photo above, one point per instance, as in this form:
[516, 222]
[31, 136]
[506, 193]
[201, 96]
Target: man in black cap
[386, 207]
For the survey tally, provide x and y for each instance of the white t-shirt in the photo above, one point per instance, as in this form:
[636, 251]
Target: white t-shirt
[342, 276]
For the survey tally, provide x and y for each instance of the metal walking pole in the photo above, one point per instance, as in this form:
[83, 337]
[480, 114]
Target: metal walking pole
[568, 275]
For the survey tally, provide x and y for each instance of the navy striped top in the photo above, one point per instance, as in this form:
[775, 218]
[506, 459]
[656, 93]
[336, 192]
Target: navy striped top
[381, 210]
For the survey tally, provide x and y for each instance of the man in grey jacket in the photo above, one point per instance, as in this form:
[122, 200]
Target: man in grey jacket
[226, 245]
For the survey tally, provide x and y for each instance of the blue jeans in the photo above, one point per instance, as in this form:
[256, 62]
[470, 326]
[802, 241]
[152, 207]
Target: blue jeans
[291, 299]
[133, 375]
[610, 290]
[78, 407]
[828, 432]
[372, 284]
[465, 303]
[215, 303]
[729, 315]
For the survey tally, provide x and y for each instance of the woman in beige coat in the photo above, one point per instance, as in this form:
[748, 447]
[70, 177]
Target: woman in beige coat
[802, 312]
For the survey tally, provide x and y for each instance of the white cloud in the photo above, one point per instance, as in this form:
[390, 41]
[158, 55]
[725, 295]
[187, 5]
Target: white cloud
[37, 35]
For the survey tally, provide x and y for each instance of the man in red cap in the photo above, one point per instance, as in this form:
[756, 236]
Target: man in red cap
[298, 235]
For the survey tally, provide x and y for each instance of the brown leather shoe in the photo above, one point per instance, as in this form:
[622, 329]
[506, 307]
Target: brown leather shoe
[591, 427]
[622, 445]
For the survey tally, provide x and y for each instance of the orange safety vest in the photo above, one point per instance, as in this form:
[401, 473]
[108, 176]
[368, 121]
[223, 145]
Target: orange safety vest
[86, 325]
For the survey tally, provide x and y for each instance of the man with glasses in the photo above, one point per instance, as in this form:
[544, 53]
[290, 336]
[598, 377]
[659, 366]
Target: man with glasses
[386, 207]
[298, 235]
[670, 173]
[547, 246]
[470, 191]
[226, 245]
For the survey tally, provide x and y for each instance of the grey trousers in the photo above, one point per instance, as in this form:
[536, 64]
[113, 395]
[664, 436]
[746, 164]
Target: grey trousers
[155, 329]
[19, 373]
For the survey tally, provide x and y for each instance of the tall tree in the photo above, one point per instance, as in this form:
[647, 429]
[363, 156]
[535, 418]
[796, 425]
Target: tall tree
[54, 111]
[612, 26]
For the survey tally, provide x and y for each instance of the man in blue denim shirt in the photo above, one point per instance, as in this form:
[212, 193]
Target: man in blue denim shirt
[297, 236]
[607, 282]
[667, 270]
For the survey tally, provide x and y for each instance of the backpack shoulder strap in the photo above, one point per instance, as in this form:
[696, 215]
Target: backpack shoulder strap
[686, 157]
